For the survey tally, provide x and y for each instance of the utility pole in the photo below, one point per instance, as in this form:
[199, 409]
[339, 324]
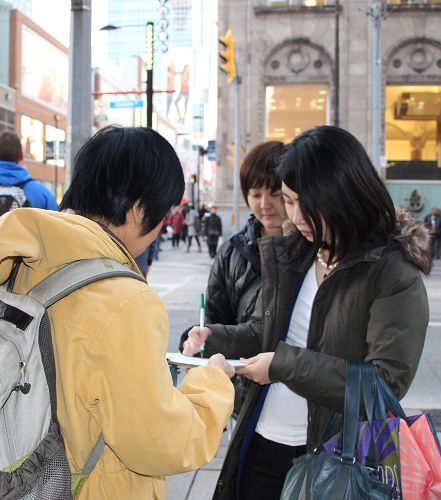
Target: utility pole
[376, 12]
[149, 62]
[236, 180]
[80, 80]
[229, 62]
[337, 63]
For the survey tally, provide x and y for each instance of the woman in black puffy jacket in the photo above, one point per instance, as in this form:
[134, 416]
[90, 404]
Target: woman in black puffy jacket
[234, 281]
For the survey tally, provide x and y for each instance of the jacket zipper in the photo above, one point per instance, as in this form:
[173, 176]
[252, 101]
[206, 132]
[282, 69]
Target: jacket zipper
[7, 427]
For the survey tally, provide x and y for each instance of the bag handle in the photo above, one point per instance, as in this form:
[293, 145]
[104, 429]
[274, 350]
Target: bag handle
[374, 407]
[351, 411]
[389, 398]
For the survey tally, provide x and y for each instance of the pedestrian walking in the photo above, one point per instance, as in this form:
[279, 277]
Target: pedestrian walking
[193, 223]
[17, 188]
[433, 222]
[345, 286]
[110, 337]
[176, 221]
[184, 231]
[212, 230]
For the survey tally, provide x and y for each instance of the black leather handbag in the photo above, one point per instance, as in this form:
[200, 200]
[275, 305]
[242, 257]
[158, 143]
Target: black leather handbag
[336, 475]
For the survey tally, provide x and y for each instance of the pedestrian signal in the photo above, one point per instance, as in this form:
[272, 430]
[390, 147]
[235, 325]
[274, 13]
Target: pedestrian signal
[227, 57]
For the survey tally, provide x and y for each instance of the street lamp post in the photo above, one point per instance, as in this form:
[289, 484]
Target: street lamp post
[149, 63]
[150, 40]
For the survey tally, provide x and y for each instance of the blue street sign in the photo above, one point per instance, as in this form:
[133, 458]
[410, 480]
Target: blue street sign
[132, 103]
[211, 150]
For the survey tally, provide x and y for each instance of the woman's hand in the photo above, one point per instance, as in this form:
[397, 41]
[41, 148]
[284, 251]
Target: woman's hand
[220, 361]
[257, 368]
[196, 338]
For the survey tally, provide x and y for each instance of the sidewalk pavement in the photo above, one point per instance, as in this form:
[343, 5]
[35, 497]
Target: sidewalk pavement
[180, 277]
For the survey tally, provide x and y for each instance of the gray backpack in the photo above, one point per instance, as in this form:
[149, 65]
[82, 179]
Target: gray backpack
[12, 197]
[33, 463]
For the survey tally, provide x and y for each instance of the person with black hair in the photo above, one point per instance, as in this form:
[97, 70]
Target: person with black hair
[346, 285]
[234, 280]
[110, 338]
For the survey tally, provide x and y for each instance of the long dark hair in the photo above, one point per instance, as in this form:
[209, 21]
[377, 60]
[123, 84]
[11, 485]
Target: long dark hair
[335, 181]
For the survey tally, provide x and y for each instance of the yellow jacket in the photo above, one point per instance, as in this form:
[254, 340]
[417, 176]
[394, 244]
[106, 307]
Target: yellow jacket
[110, 341]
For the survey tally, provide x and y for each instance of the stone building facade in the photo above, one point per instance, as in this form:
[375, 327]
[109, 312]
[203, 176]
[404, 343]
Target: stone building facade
[305, 63]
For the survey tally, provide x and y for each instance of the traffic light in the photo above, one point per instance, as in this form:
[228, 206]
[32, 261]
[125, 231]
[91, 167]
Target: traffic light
[228, 60]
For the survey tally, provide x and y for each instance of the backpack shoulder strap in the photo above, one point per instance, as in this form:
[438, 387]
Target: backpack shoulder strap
[22, 184]
[94, 456]
[77, 274]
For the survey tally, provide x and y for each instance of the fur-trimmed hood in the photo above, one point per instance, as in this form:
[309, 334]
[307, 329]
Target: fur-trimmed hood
[414, 239]
[412, 235]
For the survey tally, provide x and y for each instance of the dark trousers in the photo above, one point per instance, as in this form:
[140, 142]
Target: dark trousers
[436, 247]
[196, 237]
[212, 250]
[265, 468]
[175, 240]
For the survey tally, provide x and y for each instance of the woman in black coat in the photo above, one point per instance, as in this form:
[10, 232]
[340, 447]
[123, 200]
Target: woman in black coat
[346, 286]
[234, 281]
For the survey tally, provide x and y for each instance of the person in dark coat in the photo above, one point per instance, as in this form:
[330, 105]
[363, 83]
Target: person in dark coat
[212, 230]
[234, 280]
[433, 222]
[346, 285]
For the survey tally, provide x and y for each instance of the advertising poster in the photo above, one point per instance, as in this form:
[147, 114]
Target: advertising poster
[44, 71]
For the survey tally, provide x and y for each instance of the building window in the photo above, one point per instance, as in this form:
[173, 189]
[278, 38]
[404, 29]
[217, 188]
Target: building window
[300, 3]
[315, 3]
[6, 120]
[413, 132]
[55, 146]
[292, 109]
[32, 138]
[414, 2]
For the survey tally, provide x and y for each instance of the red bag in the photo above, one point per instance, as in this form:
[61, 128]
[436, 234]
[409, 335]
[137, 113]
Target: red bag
[420, 459]
[420, 451]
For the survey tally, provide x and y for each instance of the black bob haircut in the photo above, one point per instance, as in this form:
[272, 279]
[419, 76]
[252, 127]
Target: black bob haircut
[120, 166]
[335, 180]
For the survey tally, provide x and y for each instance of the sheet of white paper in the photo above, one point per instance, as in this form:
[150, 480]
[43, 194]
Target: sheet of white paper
[176, 358]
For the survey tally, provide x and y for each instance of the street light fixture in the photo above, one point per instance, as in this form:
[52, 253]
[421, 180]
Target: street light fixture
[149, 63]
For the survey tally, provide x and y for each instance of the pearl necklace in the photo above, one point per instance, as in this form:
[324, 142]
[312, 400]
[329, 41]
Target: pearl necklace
[320, 260]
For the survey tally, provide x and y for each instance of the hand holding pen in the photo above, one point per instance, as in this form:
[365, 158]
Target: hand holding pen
[196, 340]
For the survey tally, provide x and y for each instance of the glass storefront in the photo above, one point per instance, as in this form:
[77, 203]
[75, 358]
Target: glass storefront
[55, 146]
[414, 2]
[413, 132]
[292, 109]
[298, 3]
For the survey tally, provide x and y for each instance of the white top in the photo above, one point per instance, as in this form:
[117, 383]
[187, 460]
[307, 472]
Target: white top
[284, 414]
